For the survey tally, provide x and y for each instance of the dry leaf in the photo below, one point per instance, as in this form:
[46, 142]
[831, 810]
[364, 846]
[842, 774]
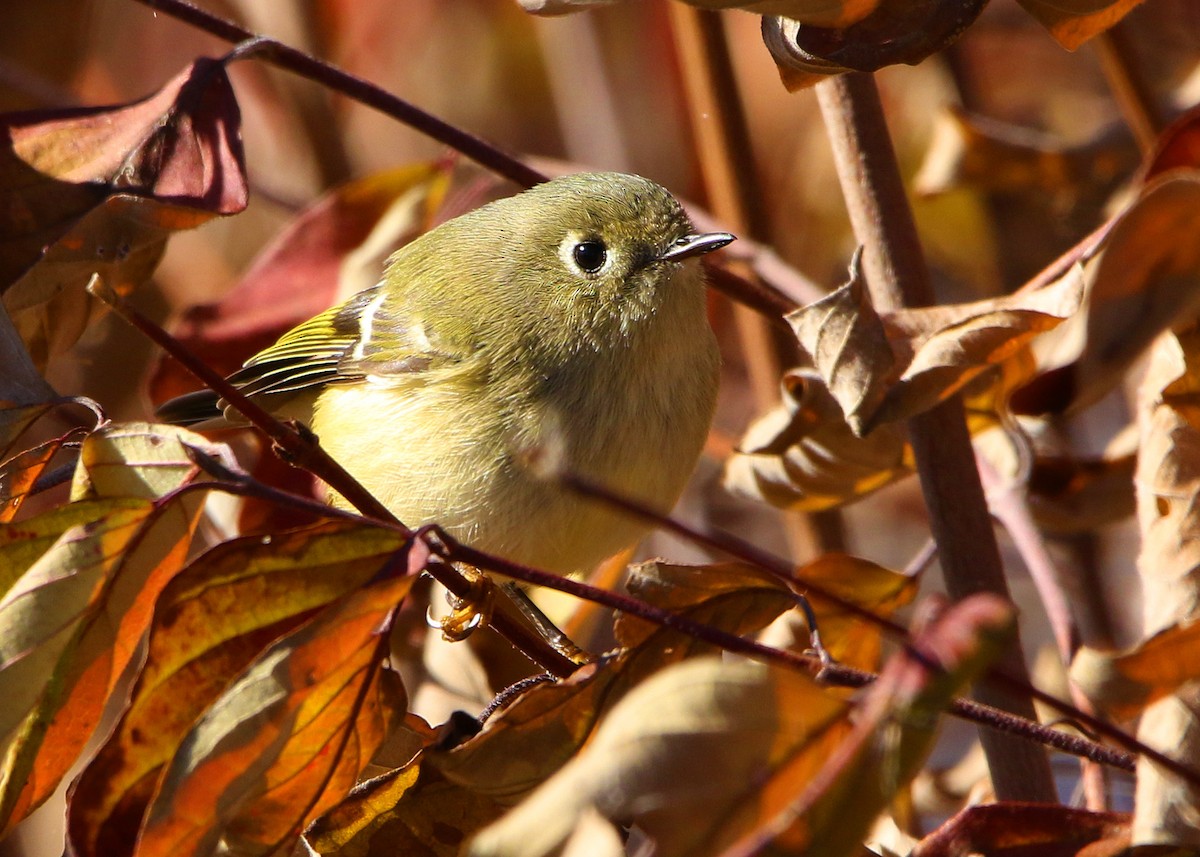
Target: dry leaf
[1177, 147]
[412, 810]
[288, 738]
[1164, 806]
[1073, 22]
[693, 755]
[99, 189]
[1124, 683]
[897, 31]
[534, 736]
[1000, 829]
[803, 455]
[1146, 281]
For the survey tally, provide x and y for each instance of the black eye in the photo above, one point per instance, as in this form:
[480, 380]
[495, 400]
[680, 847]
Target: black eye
[590, 255]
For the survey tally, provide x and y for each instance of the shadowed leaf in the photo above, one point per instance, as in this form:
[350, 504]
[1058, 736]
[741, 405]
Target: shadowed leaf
[826, 13]
[99, 189]
[1003, 829]
[412, 810]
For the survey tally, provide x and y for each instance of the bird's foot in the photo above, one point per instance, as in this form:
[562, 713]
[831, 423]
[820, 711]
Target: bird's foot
[471, 611]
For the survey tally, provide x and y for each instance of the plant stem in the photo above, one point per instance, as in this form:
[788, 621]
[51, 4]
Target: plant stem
[897, 276]
[1129, 86]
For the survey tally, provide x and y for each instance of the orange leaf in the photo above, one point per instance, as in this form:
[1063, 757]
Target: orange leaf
[1073, 22]
[287, 740]
[212, 620]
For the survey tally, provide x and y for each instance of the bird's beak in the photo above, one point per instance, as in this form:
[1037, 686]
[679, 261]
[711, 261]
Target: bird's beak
[696, 245]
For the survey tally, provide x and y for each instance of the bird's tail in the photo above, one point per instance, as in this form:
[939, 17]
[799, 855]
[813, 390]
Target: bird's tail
[190, 408]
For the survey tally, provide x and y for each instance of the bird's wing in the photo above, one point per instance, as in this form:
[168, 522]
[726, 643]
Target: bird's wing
[369, 336]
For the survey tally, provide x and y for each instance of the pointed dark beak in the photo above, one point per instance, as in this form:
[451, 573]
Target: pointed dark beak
[695, 245]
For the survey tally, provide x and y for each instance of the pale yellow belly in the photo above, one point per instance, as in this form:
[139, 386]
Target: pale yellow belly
[436, 454]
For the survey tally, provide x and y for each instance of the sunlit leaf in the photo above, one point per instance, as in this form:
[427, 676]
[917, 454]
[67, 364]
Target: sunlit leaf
[1177, 147]
[69, 627]
[287, 739]
[847, 637]
[98, 190]
[1164, 806]
[140, 460]
[1073, 22]
[893, 732]
[212, 620]
[19, 473]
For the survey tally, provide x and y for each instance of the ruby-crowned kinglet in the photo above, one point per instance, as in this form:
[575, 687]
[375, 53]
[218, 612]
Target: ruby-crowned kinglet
[567, 321]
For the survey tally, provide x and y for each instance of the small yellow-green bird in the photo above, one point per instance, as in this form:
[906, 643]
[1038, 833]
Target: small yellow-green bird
[568, 320]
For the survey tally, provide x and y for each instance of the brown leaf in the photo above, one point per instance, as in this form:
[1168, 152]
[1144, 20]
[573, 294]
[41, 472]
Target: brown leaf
[826, 13]
[1073, 22]
[412, 810]
[287, 740]
[1124, 683]
[19, 473]
[97, 190]
[299, 274]
[1079, 495]
[1145, 282]
[848, 639]
[211, 621]
[1003, 829]
[694, 755]
[893, 732]
[968, 150]
[943, 348]
[803, 455]
[539, 732]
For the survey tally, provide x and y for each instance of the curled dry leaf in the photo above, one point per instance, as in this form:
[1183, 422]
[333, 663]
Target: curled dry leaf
[1146, 281]
[896, 31]
[1073, 22]
[804, 455]
[826, 13]
[1164, 807]
[1177, 147]
[210, 623]
[883, 368]
[99, 189]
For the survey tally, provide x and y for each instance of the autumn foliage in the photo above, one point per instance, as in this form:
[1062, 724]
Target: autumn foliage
[198, 656]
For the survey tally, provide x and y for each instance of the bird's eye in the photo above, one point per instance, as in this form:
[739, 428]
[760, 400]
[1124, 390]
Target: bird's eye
[590, 256]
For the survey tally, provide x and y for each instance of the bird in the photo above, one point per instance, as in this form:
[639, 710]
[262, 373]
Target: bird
[567, 321]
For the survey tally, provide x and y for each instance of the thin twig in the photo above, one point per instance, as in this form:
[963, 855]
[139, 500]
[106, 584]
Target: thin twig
[365, 92]
[1129, 85]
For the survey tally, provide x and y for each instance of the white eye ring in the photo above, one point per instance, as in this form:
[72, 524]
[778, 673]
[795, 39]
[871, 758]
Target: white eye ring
[588, 256]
